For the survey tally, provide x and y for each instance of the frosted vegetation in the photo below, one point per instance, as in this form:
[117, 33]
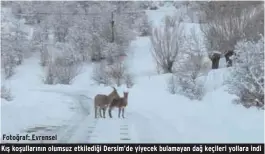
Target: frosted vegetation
[68, 35]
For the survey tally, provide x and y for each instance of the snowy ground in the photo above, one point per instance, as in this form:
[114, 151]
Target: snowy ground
[152, 116]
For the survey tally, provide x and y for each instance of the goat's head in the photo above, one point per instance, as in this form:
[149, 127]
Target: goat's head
[114, 94]
[126, 94]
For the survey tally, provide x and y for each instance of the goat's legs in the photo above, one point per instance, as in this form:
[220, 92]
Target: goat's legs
[95, 111]
[104, 112]
[119, 112]
[110, 112]
[100, 113]
[122, 112]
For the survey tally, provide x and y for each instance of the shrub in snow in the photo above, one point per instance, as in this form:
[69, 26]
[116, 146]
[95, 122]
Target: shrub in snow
[65, 70]
[144, 4]
[153, 6]
[247, 76]
[129, 80]
[186, 87]
[117, 73]
[185, 81]
[8, 64]
[100, 74]
[64, 67]
[171, 20]
[161, 3]
[166, 45]
[190, 66]
[44, 56]
[6, 93]
[14, 42]
[144, 26]
[97, 47]
[49, 76]
[112, 52]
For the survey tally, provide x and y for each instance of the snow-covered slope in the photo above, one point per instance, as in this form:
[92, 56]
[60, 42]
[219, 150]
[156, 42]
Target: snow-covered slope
[153, 115]
[34, 111]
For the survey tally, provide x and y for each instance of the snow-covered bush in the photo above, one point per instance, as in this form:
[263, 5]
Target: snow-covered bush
[144, 4]
[190, 66]
[129, 80]
[186, 78]
[247, 76]
[100, 74]
[14, 42]
[6, 93]
[116, 73]
[112, 52]
[65, 70]
[64, 67]
[97, 48]
[191, 89]
[171, 20]
[8, 64]
[166, 45]
[44, 56]
[194, 90]
[144, 26]
[49, 75]
[81, 39]
[62, 73]
[153, 6]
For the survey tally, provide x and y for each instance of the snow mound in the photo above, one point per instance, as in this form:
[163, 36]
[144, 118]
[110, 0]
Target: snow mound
[215, 79]
[214, 119]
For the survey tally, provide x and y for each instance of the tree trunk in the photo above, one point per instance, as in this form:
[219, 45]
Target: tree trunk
[228, 54]
[215, 60]
[170, 67]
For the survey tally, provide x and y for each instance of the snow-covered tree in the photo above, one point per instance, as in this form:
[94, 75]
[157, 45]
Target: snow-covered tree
[14, 42]
[166, 45]
[64, 66]
[189, 68]
[112, 52]
[226, 23]
[144, 26]
[114, 74]
[6, 93]
[247, 75]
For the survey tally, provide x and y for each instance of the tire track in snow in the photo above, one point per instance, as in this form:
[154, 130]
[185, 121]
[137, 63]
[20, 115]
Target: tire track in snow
[106, 131]
[69, 132]
[84, 131]
[142, 128]
[112, 130]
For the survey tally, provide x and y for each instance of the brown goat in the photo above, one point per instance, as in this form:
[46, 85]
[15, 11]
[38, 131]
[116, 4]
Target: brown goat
[102, 102]
[120, 103]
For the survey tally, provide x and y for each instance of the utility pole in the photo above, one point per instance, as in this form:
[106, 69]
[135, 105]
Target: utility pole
[112, 27]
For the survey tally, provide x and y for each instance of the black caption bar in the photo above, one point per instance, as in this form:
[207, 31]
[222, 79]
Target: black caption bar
[134, 148]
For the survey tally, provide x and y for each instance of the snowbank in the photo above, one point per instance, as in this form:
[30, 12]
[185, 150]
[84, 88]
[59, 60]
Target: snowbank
[215, 119]
[36, 108]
